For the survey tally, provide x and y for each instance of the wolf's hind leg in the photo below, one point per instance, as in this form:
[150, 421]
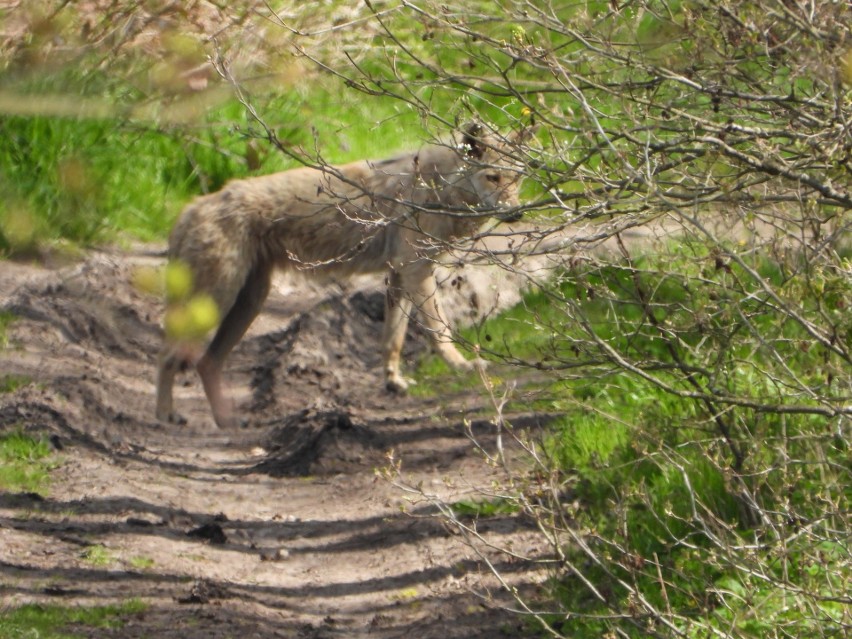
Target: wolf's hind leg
[173, 358]
[235, 324]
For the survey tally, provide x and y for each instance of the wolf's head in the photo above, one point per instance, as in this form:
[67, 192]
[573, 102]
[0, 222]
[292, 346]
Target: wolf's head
[492, 175]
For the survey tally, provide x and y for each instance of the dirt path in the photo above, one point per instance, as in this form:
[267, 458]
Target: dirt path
[280, 529]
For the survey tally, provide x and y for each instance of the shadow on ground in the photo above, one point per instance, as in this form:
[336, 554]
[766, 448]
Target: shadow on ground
[280, 529]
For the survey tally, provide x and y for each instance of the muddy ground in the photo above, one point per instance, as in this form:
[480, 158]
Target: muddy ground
[281, 528]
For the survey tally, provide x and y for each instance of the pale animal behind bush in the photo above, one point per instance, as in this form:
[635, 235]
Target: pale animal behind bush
[396, 215]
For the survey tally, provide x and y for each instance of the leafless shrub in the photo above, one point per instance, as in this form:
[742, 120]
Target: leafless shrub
[692, 168]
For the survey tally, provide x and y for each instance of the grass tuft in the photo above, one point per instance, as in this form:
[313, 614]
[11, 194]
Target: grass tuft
[11, 383]
[6, 319]
[25, 463]
[97, 555]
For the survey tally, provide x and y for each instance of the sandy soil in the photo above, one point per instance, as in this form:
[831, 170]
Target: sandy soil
[279, 529]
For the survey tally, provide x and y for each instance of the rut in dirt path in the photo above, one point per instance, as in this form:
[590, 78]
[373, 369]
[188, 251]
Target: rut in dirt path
[281, 529]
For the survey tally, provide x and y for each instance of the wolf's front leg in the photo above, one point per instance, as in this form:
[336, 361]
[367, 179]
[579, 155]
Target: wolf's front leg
[397, 312]
[425, 297]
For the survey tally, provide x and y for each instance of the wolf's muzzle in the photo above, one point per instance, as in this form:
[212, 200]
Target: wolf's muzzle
[510, 216]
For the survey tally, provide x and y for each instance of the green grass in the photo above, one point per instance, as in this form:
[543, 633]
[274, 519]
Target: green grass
[142, 563]
[97, 555]
[11, 383]
[25, 463]
[485, 508]
[73, 179]
[433, 378]
[36, 621]
[6, 318]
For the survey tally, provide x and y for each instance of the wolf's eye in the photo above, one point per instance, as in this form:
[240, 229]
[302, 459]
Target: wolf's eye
[494, 178]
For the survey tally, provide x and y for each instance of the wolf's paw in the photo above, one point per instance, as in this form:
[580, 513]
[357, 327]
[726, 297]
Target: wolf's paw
[398, 384]
[231, 422]
[172, 418]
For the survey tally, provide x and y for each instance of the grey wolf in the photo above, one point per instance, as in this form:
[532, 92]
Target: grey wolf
[397, 215]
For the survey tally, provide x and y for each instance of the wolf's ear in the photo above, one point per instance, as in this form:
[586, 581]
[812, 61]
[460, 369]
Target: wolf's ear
[472, 144]
[522, 135]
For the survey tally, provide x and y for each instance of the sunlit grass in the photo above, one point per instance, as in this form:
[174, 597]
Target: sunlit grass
[94, 179]
[6, 318]
[142, 563]
[97, 555]
[25, 463]
[11, 383]
[39, 621]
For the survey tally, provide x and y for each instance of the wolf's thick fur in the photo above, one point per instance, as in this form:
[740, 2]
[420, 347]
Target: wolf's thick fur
[396, 215]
